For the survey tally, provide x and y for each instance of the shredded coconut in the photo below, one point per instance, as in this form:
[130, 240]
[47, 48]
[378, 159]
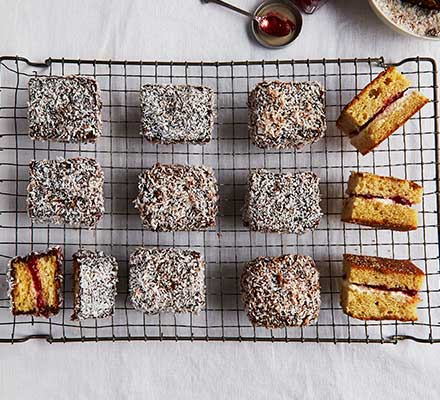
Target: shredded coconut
[167, 280]
[281, 291]
[411, 17]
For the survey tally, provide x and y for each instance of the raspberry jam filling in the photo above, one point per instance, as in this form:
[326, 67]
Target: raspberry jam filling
[33, 270]
[401, 200]
[408, 292]
[388, 103]
[396, 199]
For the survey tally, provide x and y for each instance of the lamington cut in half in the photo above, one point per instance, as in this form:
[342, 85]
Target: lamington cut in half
[177, 198]
[280, 292]
[35, 283]
[95, 276]
[375, 288]
[286, 114]
[382, 202]
[177, 113]
[167, 280]
[65, 109]
[282, 202]
[66, 191]
[379, 110]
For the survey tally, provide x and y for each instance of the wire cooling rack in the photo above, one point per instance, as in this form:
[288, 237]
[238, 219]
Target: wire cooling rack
[411, 153]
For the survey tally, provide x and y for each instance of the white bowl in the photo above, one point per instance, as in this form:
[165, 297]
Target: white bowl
[395, 27]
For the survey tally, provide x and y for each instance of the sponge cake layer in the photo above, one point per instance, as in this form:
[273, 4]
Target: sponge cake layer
[379, 271]
[379, 214]
[367, 303]
[371, 100]
[388, 121]
[387, 187]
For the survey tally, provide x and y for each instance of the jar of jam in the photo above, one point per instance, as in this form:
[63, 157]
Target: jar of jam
[310, 6]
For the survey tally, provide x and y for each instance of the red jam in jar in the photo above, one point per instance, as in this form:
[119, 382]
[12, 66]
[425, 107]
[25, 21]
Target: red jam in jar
[310, 6]
[275, 25]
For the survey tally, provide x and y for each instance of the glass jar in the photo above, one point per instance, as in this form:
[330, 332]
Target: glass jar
[310, 6]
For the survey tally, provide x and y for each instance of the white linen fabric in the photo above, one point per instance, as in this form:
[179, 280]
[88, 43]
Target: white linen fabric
[188, 30]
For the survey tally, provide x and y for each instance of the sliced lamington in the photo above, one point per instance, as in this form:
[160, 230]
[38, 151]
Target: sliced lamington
[286, 114]
[279, 292]
[282, 202]
[177, 113]
[177, 198]
[95, 276]
[66, 191]
[65, 109]
[383, 202]
[376, 288]
[167, 280]
[35, 283]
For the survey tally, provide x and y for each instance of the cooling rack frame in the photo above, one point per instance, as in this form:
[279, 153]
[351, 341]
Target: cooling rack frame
[231, 81]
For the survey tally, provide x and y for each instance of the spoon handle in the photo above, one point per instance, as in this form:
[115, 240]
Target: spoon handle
[230, 6]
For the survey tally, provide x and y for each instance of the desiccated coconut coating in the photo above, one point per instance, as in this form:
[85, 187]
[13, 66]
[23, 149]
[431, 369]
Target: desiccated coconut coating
[66, 191]
[65, 109]
[282, 202]
[177, 198]
[286, 114]
[167, 280]
[177, 113]
[95, 277]
[279, 292]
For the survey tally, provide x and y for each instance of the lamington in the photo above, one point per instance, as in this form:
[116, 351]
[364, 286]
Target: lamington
[286, 114]
[376, 288]
[167, 280]
[177, 198]
[35, 283]
[282, 202]
[95, 276]
[65, 109]
[279, 292]
[382, 202]
[379, 110]
[66, 191]
[177, 113]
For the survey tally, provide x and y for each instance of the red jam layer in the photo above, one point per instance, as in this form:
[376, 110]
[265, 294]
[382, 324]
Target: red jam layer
[408, 292]
[401, 200]
[381, 111]
[33, 270]
[397, 199]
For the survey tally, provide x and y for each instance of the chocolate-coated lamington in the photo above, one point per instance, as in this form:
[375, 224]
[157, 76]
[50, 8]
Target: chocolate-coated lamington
[65, 109]
[95, 276]
[66, 191]
[177, 198]
[282, 202]
[286, 114]
[167, 280]
[177, 113]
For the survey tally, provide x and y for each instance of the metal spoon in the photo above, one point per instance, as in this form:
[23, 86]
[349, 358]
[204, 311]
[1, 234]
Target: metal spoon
[265, 23]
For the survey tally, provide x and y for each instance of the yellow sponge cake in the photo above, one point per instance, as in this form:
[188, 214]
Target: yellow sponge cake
[376, 288]
[387, 122]
[379, 110]
[387, 86]
[35, 282]
[382, 202]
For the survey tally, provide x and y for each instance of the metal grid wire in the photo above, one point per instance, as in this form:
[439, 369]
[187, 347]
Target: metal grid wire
[411, 153]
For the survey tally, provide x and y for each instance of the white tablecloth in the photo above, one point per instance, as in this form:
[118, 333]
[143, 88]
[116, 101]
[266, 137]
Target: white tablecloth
[187, 30]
